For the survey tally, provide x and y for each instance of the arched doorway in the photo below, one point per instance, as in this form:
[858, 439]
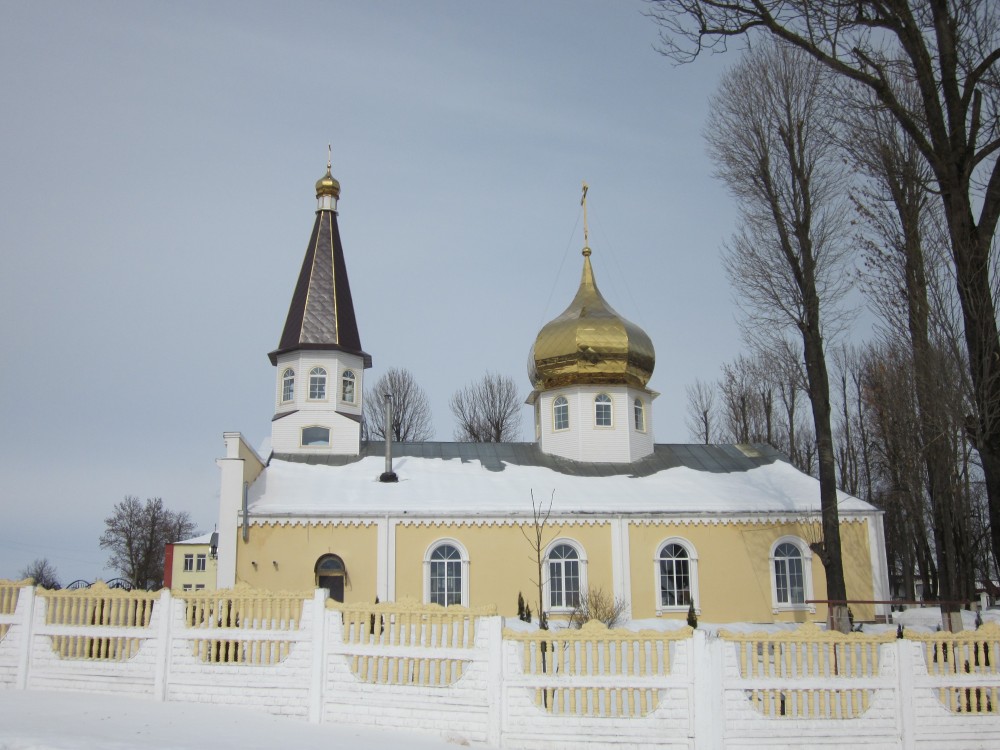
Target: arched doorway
[330, 575]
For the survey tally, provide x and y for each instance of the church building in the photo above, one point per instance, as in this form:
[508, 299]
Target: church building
[660, 527]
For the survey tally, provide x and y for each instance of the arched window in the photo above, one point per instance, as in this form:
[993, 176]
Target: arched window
[347, 381]
[315, 436]
[602, 410]
[640, 416]
[317, 384]
[331, 575]
[677, 575]
[560, 414]
[791, 567]
[446, 574]
[287, 385]
[564, 576]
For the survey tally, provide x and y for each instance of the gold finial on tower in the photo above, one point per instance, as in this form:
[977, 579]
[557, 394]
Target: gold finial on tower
[327, 185]
[586, 236]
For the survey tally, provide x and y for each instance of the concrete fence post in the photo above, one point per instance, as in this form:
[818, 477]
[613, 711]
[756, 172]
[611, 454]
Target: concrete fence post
[495, 693]
[26, 608]
[906, 715]
[707, 691]
[165, 610]
[318, 638]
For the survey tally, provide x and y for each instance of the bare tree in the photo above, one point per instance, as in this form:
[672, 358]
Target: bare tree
[411, 412]
[766, 134]
[700, 419]
[43, 573]
[899, 214]
[137, 533]
[488, 410]
[536, 538]
[950, 53]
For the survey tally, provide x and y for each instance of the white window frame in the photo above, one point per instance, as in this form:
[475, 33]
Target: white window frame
[692, 554]
[610, 403]
[639, 413]
[346, 377]
[189, 562]
[463, 554]
[555, 406]
[201, 562]
[302, 434]
[287, 384]
[807, 582]
[581, 555]
[316, 373]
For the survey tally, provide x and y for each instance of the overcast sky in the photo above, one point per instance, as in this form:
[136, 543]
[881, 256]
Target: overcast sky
[157, 168]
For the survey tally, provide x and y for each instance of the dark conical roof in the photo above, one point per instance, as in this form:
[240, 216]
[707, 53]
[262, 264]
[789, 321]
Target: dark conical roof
[321, 315]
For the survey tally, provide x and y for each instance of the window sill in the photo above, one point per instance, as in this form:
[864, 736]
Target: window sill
[779, 608]
[682, 610]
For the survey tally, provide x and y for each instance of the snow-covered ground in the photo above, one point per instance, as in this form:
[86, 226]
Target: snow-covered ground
[37, 720]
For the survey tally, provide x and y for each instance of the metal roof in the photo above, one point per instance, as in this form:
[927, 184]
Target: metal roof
[321, 314]
[495, 456]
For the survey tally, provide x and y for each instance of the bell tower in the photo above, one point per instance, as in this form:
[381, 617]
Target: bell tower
[319, 360]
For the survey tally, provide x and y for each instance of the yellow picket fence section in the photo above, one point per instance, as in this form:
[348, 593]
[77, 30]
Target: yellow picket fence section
[808, 653]
[596, 651]
[967, 653]
[97, 606]
[409, 629]
[407, 670]
[243, 609]
[8, 600]
[407, 623]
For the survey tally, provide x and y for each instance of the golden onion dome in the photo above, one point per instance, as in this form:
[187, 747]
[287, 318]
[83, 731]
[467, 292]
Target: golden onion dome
[590, 343]
[327, 185]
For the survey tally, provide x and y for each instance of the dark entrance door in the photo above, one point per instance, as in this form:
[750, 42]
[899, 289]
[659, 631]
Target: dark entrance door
[330, 575]
[335, 585]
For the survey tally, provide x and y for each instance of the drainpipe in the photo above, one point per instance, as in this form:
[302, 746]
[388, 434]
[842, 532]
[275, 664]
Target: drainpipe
[388, 475]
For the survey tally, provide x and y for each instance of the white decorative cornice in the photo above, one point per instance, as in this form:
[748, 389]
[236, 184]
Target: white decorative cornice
[602, 519]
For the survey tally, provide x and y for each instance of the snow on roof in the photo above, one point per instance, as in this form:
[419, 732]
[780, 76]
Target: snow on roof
[203, 539]
[437, 486]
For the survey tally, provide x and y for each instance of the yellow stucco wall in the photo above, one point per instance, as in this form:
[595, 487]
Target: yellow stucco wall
[194, 578]
[296, 550]
[501, 561]
[734, 568]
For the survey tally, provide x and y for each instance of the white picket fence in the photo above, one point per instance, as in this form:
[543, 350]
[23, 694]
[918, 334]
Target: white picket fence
[455, 672]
